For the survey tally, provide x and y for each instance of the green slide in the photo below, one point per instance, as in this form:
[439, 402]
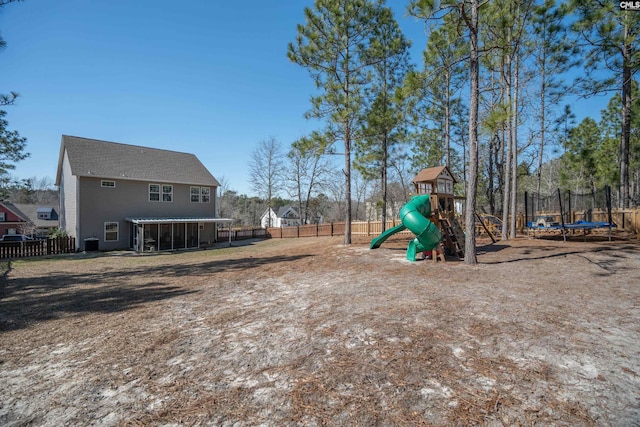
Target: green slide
[414, 216]
[377, 241]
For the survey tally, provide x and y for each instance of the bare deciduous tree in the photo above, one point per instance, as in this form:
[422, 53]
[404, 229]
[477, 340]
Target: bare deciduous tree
[266, 170]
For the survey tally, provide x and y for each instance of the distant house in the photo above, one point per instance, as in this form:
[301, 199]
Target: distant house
[119, 196]
[284, 216]
[43, 219]
[12, 220]
[373, 212]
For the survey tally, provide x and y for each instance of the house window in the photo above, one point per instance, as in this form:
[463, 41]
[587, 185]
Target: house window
[200, 194]
[206, 194]
[154, 192]
[111, 231]
[107, 184]
[167, 193]
[2, 216]
[195, 194]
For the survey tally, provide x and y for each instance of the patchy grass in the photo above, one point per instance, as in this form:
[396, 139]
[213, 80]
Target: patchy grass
[311, 332]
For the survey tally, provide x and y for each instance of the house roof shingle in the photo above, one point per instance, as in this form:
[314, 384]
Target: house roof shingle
[112, 160]
[31, 213]
[282, 211]
[16, 211]
[431, 174]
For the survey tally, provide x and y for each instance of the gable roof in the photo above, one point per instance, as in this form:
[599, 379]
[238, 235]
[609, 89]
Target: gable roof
[112, 160]
[15, 210]
[431, 174]
[31, 213]
[282, 211]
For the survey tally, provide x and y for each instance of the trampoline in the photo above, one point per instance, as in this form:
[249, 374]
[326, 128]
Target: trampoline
[587, 225]
[560, 212]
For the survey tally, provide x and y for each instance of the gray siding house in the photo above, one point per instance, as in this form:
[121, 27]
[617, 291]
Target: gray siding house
[117, 196]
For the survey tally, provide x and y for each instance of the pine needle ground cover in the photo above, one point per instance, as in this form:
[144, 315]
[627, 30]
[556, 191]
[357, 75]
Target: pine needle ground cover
[311, 332]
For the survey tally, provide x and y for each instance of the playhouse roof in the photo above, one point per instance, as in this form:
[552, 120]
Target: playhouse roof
[432, 174]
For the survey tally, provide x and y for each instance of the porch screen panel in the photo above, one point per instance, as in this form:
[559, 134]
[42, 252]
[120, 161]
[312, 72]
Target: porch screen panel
[165, 237]
[179, 241]
[150, 237]
[192, 235]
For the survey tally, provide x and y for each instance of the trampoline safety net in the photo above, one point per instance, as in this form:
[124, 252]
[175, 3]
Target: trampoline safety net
[567, 207]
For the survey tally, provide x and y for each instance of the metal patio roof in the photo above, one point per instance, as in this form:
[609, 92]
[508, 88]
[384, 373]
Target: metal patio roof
[166, 220]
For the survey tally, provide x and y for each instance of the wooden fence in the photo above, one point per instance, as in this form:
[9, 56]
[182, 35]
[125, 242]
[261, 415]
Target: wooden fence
[363, 228]
[242, 233]
[31, 248]
[625, 219]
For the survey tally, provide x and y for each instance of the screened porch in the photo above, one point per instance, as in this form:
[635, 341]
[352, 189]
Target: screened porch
[170, 234]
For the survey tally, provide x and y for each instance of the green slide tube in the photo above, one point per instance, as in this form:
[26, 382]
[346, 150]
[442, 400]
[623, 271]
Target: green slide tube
[414, 216]
[377, 241]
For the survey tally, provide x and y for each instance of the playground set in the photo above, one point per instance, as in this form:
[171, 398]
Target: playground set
[568, 212]
[430, 216]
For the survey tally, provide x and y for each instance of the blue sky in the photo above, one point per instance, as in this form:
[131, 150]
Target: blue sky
[206, 77]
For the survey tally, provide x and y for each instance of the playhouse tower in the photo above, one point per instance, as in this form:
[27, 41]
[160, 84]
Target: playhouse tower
[438, 183]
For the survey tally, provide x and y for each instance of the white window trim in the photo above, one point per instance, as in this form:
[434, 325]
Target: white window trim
[105, 183]
[159, 193]
[191, 194]
[170, 193]
[117, 231]
[202, 195]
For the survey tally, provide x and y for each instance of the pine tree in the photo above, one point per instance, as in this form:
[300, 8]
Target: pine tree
[552, 53]
[583, 155]
[465, 14]
[334, 46]
[611, 38]
[611, 127]
[384, 119]
[12, 145]
[436, 92]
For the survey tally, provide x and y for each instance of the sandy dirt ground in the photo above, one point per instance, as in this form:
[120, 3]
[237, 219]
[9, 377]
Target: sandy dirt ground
[314, 333]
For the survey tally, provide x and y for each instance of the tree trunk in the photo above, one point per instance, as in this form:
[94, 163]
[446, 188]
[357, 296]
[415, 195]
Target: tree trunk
[514, 149]
[384, 182]
[491, 197]
[447, 120]
[543, 88]
[474, 66]
[347, 177]
[506, 191]
[626, 124]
